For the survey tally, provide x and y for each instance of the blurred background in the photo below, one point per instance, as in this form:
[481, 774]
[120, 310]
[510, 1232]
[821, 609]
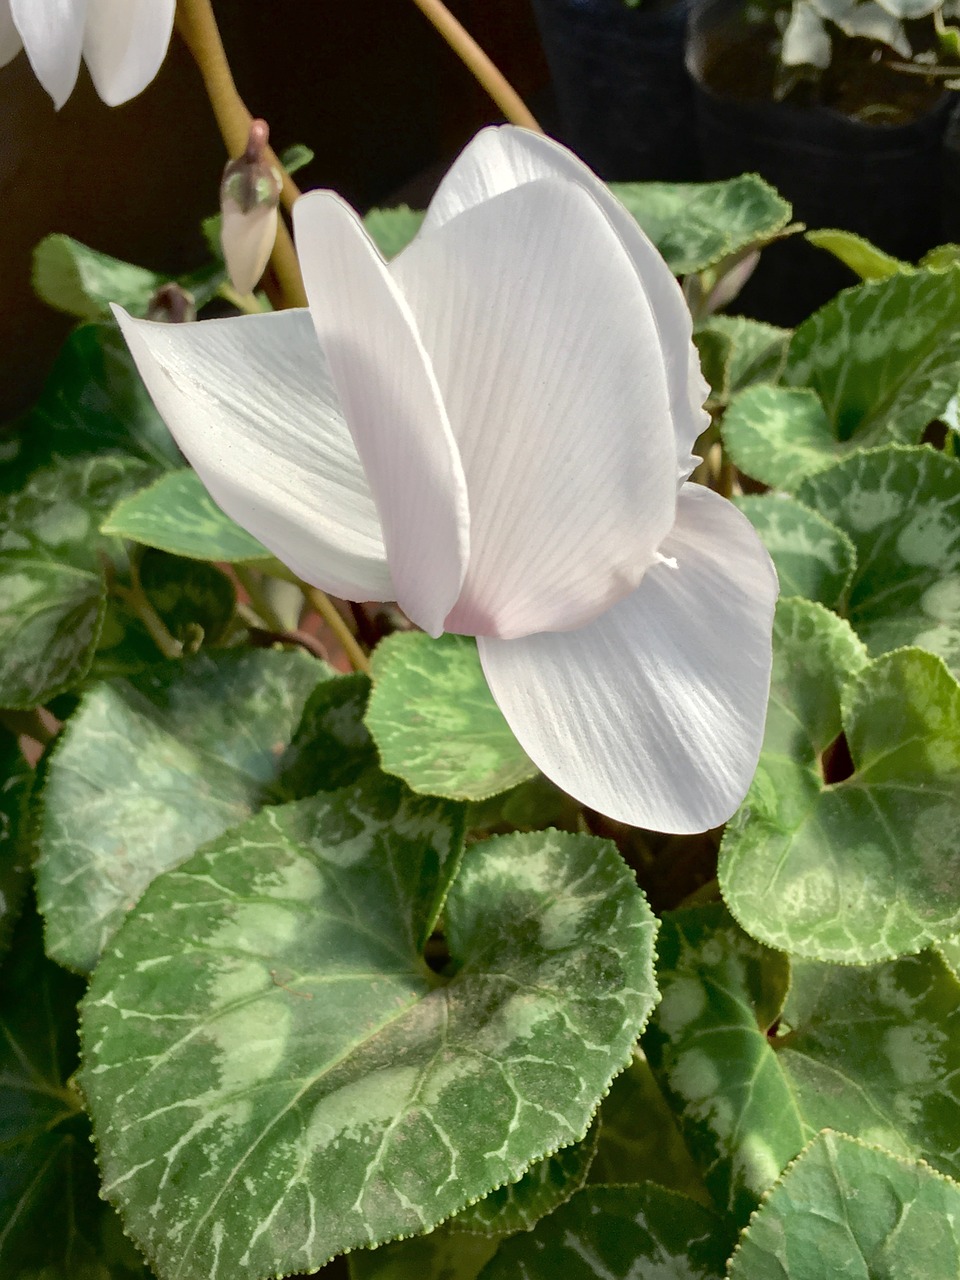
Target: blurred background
[370, 87]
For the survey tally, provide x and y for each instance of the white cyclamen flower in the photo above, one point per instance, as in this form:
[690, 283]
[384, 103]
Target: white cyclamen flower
[123, 42]
[495, 430]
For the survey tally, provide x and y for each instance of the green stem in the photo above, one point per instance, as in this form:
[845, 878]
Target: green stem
[252, 583]
[247, 303]
[332, 616]
[137, 601]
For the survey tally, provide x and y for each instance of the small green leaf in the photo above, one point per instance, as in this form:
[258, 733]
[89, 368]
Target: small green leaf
[755, 351]
[435, 722]
[884, 357]
[779, 435]
[442, 1255]
[297, 156]
[618, 1233]
[314, 1087]
[695, 225]
[519, 1206]
[639, 1138]
[863, 258]
[753, 1070]
[867, 866]
[392, 229]
[331, 747]
[145, 771]
[901, 508]
[54, 1227]
[83, 282]
[846, 1209]
[16, 778]
[52, 586]
[176, 514]
[941, 257]
[813, 558]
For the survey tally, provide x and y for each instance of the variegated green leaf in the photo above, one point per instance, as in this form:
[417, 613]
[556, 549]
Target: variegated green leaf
[846, 1209]
[435, 722]
[858, 863]
[779, 435]
[147, 770]
[618, 1233]
[813, 558]
[901, 508]
[313, 1086]
[176, 514]
[756, 1056]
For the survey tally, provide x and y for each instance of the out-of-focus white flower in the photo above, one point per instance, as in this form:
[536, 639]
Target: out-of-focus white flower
[495, 430]
[123, 42]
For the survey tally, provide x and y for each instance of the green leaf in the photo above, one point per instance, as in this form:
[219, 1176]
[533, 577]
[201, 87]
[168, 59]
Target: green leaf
[83, 282]
[618, 1233]
[392, 229]
[862, 257]
[52, 586]
[901, 508]
[16, 777]
[297, 156]
[331, 747]
[779, 435]
[146, 771]
[752, 352]
[54, 1225]
[442, 1255]
[884, 357]
[520, 1205]
[94, 401]
[867, 866]
[435, 722]
[176, 514]
[639, 1138]
[753, 1073]
[188, 595]
[708, 1049]
[695, 225]
[846, 1209]
[813, 558]
[315, 1087]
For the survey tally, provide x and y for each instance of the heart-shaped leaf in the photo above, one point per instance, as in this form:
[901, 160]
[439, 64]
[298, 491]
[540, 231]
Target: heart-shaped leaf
[276, 1076]
[52, 586]
[176, 514]
[146, 771]
[847, 1209]
[780, 434]
[83, 282]
[435, 722]
[864, 865]
[695, 225]
[813, 558]
[901, 508]
[618, 1233]
[753, 1071]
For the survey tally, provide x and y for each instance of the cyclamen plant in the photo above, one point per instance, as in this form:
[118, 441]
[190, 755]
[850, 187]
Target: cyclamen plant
[401, 947]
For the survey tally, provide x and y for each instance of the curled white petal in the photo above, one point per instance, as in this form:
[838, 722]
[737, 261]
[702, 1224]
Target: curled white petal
[653, 714]
[251, 403]
[52, 34]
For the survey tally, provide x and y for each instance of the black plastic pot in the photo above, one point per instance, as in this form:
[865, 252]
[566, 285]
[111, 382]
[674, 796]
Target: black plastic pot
[622, 88]
[881, 181]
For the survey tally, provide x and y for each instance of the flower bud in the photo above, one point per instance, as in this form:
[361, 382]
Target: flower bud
[172, 304]
[249, 196]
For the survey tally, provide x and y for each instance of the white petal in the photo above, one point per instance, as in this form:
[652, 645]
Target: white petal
[251, 403]
[654, 713]
[52, 34]
[247, 238]
[125, 43]
[503, 157]
[547, 355]
[10, 42]
[392, 405]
